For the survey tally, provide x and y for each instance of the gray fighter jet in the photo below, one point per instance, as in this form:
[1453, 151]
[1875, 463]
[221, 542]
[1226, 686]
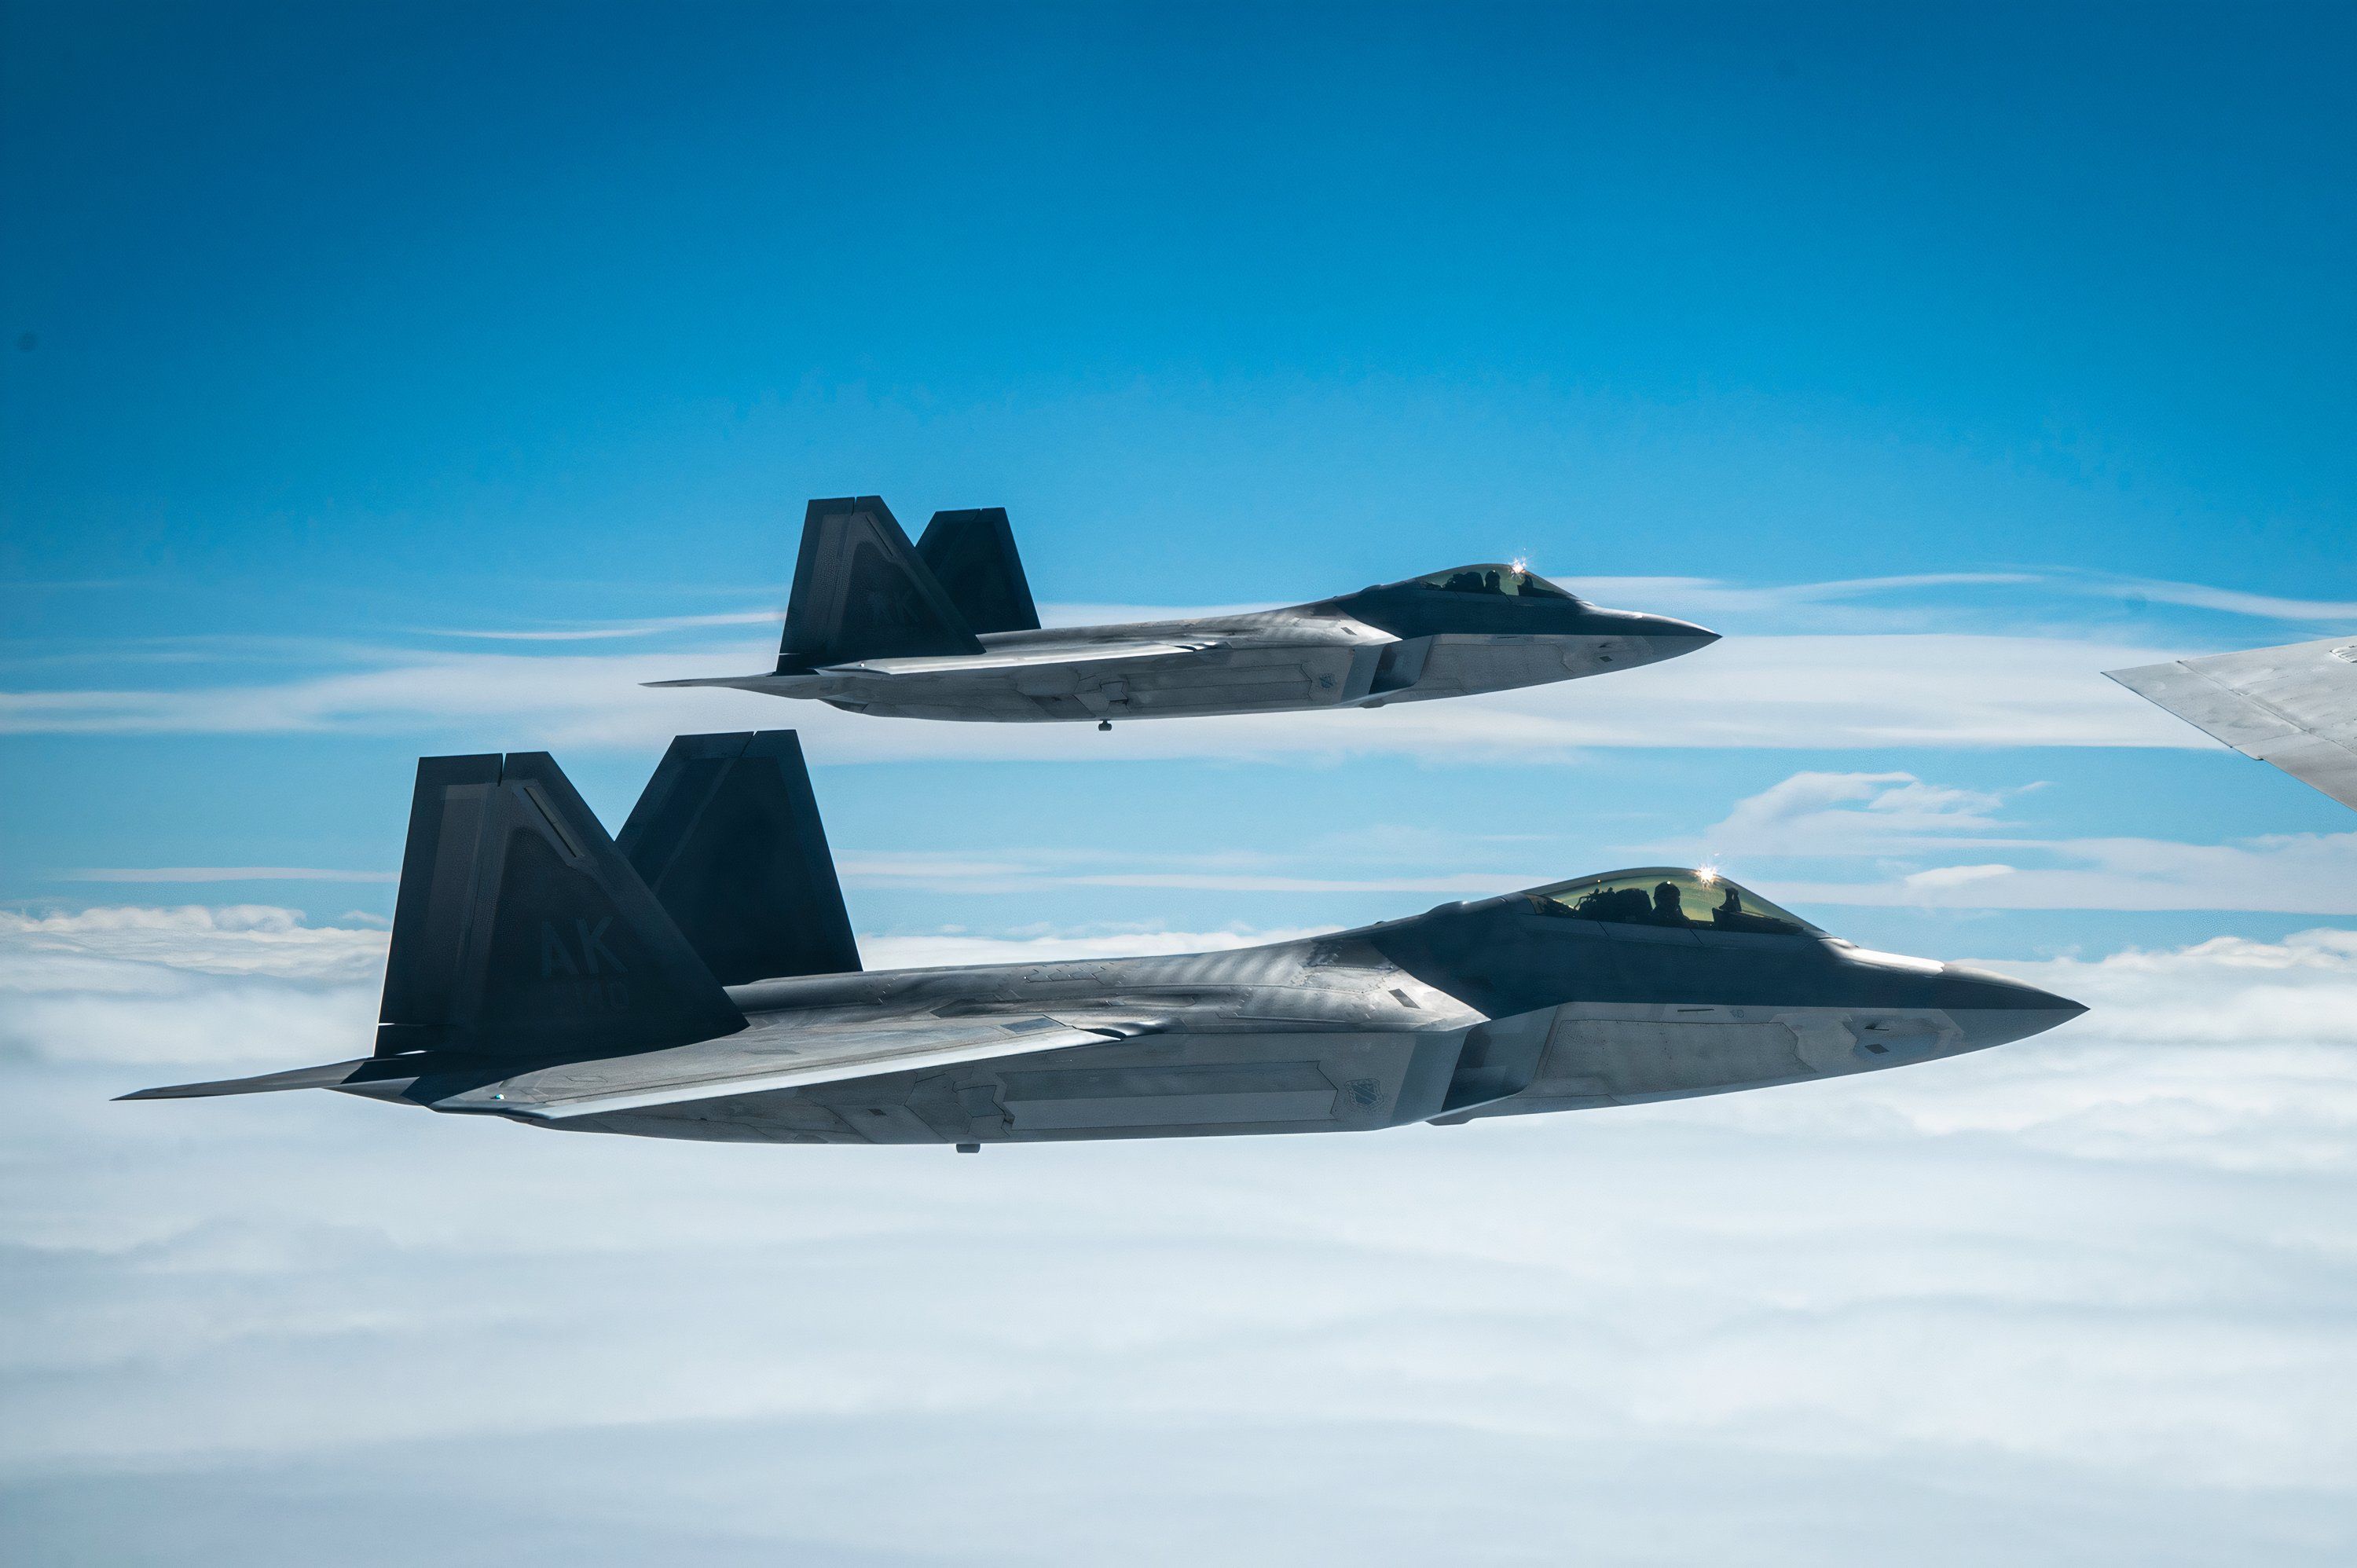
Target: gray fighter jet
[947, 630]
[697, 979]
[2295, 706]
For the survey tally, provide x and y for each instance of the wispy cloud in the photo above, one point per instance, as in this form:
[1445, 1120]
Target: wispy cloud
[221, 873]
[964, 875]
[1793, 692]
[1854, 813]
[1799, 837]
[2197, 595]
[1706, 596]
[1883, 839]
[2305, 874]
[612, 630]
[1697, 596]
[1886, 671]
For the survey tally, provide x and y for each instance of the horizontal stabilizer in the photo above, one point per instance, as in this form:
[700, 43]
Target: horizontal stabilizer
[327, 1077]
[778, 1053]
[973, 555]
[2294, 706]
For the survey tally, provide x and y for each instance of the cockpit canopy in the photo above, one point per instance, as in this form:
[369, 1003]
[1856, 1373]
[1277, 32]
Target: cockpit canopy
[1494, 578]
[1665, 896]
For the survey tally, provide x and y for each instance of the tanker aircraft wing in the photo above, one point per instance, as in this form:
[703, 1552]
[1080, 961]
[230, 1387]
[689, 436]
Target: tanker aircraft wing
[2295, 706]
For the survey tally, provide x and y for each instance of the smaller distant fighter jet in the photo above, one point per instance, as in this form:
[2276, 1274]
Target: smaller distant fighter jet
[947, 630]
[698, 979]
[2295, 706]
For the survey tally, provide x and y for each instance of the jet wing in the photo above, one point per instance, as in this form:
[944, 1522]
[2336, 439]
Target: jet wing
[989, 661]
[1027, 657]
[773, 1052]
[2295, 706]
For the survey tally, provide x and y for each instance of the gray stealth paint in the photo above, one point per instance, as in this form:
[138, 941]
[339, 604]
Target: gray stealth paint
[727, 834]
[947, 630]
[1506, 1006]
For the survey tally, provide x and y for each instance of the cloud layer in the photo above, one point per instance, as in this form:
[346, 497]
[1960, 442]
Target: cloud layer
[2089, 1289]
[1981, 658]
[1837, 692]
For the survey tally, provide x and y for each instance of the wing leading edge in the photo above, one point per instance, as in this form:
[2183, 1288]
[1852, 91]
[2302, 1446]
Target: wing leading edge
[992, 661]
[2293, 706]
[778, 1052]
[780, 1055]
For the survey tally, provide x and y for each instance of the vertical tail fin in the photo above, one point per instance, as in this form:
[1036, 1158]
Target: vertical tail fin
[728, 835]
[973, 554]
[860, 591]
[519, 927]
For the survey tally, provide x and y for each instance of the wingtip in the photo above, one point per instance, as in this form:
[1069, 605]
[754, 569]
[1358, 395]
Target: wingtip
[174, 1091]
[2135, 677]
[326, 1076]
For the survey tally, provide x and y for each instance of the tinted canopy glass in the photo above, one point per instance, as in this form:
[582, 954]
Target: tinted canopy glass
[1492, 577]
[1697, 900]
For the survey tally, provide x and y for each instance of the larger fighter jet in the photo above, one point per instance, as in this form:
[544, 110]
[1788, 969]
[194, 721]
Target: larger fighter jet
[697, 979]
[947, 630]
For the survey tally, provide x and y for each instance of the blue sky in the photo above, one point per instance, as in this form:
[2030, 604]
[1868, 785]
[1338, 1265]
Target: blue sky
[377, 381]
[352, 330]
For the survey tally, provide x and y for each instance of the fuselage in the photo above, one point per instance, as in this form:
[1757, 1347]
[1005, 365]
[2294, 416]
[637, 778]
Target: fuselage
[1402, 642]
[1506, 1006]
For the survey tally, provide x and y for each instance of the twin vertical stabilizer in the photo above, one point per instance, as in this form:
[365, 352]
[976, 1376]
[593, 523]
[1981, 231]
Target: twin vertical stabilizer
[862, 592]
[519, 927]
[972, 553]
[728, 835]
[523, 932]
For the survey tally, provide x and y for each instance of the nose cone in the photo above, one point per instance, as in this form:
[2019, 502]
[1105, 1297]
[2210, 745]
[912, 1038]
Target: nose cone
[1653, 637]
[1992, 1010]
[1677, 635]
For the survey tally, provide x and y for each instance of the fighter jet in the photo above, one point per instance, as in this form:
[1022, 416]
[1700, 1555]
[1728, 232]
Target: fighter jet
[697, 979]
[948, 630]
[2295, 706]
